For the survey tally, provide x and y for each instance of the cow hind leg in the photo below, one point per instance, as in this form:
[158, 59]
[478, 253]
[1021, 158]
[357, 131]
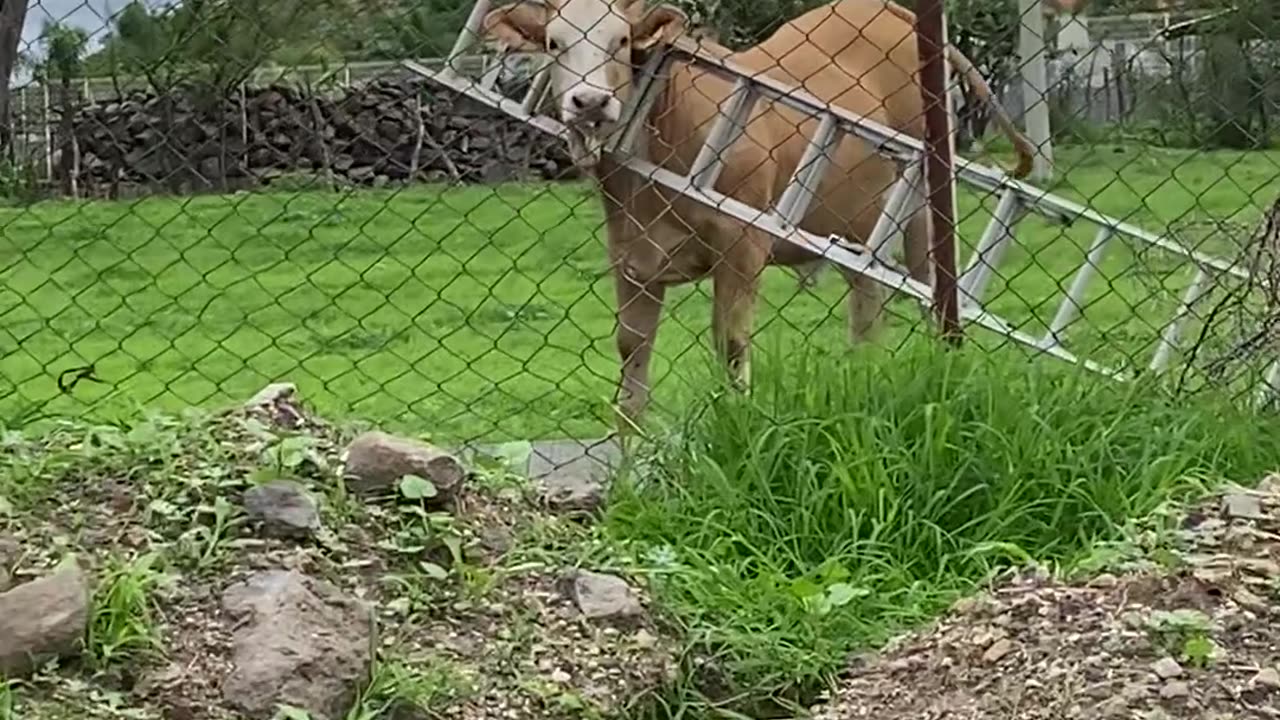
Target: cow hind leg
[917, 246]
[866, 304]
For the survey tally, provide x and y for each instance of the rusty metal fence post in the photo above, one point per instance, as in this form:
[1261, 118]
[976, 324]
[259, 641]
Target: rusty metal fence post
[931, 40]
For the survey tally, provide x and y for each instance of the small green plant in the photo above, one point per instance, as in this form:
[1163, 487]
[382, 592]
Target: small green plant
[204, 542]
[422, 534]
[284, 456]
[120, 625]
[1184, 634]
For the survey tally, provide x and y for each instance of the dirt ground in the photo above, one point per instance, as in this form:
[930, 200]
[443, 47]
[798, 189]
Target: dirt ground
[473, 603]
[1180, 621]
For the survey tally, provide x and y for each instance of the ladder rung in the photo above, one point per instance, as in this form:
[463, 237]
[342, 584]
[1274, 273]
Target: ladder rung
[537, 89]
[469, 34]
[1070, 306]
[800, 191]
[1173, 332]
[990, 251]
[489, 79]
[895, 212]
[728, 127]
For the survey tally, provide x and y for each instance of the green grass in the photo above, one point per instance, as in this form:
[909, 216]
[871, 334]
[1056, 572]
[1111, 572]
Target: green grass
[478, 311]
[842, 501]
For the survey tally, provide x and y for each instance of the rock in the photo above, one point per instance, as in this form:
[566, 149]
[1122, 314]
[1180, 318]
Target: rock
[376, 461]
[997, 650]
[603, 597]
[299, 642]
[572, 474]
[1267, 678]
[10, 552]
[1175, 689]
[279, 402]
[271, 394]
[283, 508]
[1166, 668]
[42, 620]
[1242, 506]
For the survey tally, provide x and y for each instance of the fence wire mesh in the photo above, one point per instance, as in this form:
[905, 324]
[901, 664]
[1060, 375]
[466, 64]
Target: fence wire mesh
[205, 197]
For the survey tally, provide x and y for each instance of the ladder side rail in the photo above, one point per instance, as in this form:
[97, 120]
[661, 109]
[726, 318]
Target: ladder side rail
[848, 257]
[1070, 306]
[1172, 334]
[887, 140]
[730, 123]
[1059, 208]
[545, 123]
[989, 253]
[798, 195]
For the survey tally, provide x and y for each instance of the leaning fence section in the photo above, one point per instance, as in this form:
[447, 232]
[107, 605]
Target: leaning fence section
[317, 203]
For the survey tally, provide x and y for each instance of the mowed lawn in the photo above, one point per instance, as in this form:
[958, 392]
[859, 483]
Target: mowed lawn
[469, 312]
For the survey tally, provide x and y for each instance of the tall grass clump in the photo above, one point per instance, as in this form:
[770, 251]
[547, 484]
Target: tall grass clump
[843, 499]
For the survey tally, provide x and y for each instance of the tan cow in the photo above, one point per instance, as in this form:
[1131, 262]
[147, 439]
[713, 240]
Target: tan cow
[857, 54]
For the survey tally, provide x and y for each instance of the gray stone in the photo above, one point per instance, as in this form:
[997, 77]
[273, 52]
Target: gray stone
[273, 393]
[300, 642]
[42, 620]
[376, 461]
[1166, 668]
[279, 401]
[604, 597]
[283, 508]
[1175, 689]
[1242, 506]
[10, 553]
[573, 474]
[1267, 678]
[997, 651]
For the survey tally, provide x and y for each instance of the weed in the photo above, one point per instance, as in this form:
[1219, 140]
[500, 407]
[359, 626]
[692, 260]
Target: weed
[8, 699]
[1185, 634]
[426, 684]
[840, 502]
[120, 627]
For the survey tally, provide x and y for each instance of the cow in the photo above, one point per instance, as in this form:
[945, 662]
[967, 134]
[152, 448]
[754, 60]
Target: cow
[860, 55]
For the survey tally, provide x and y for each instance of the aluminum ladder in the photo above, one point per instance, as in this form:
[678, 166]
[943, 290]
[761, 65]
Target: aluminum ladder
[1016, 199]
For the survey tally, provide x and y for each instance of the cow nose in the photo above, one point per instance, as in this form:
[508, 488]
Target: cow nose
[589, 100]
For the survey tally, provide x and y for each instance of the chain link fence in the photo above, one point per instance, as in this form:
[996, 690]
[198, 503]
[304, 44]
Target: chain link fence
[203, 198]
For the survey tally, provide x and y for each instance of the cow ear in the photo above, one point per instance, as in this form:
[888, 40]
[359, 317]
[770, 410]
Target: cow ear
[661, 23]
[521, 27]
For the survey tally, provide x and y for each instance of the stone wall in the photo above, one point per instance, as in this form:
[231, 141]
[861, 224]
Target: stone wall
[387, 131]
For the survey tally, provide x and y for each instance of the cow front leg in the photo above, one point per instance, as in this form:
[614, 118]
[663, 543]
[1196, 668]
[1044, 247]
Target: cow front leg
[639, 310]
[736, 285]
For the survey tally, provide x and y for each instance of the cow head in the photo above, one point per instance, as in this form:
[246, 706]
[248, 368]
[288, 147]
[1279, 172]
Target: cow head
[594, 47]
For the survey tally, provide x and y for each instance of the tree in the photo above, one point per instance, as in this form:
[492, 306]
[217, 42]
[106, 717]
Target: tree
[63, 62]
[13, 15]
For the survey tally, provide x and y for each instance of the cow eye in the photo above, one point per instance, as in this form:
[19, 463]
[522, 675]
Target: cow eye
[625, 41]
[552, 45]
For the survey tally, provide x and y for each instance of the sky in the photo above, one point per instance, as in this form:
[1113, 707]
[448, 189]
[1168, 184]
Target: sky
[91, 15]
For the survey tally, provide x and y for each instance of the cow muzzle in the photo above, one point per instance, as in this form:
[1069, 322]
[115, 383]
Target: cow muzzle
[590, 115]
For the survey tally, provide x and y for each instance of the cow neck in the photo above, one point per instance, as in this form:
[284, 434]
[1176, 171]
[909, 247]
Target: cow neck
[619, 183]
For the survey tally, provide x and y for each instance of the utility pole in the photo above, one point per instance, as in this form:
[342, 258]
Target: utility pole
[1035, 86]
